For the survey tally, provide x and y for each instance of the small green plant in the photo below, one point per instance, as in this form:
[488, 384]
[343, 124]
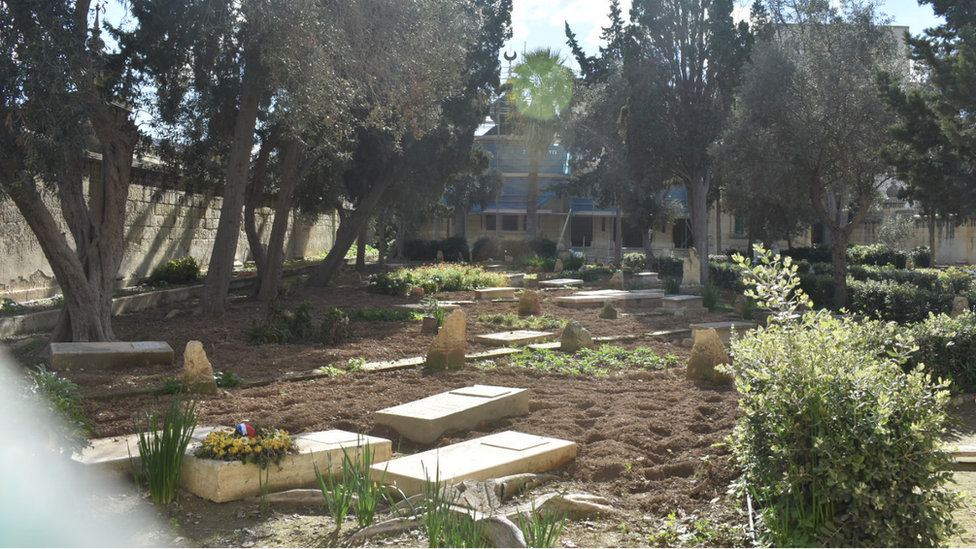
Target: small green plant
[369, 494]
[62, 401]
[710, 296]
[381, 315]
[513, 320]
[749, 308]
[444, 526]
[9, 306]
[338, 490]
[695, 532]
[672, 286]
[227, 379]
[542, 529]
[443, 277]
[172, 385]
[331, 370]
[178, 271]
[432, 309]
[282, 326]
[162, 446]
[335, 327]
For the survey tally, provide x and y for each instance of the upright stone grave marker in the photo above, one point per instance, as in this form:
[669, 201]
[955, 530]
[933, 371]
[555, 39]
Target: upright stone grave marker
[447, 350]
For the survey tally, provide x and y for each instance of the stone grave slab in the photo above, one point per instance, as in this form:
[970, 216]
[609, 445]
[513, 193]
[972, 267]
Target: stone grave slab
[109, 355]
[515, 337]
[516, 279]
[401, 364]
[495, 267]
[222, 481]
[491, 353]
[417, 307]
[482, 294]
[425, 420]
[493, 456]
[110, 456]
[594, 299]
[724, 329]
[560, 282]
[645, 277]
[679, 301]
[550, 346]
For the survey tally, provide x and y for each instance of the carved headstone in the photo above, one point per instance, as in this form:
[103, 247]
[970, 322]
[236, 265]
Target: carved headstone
[198, 376]
[707, 352]
[529, 303]
[608, 312]
[559, 266]
[575, 337]
[960, 305]
[692, 268]
[447, 350]
[617, 281]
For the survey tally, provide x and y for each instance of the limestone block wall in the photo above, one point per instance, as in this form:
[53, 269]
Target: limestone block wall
[161, 225]
[953, 245]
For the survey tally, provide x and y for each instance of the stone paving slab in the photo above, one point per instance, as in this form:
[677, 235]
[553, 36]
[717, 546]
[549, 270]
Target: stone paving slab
[491, 353]
[401, 364]
[493, 456]
[724, 329]
[482, 294]
[425, 420]
[223, 481]
[560, 282]
[515, 337]
[109, 355]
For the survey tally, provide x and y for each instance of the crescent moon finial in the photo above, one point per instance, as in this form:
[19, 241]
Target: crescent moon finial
[512, 58]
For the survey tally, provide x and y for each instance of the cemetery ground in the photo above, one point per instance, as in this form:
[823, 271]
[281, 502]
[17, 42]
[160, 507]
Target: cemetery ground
[650, 442]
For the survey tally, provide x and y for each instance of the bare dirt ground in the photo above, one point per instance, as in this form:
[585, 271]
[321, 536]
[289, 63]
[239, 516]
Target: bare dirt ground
[650, 442]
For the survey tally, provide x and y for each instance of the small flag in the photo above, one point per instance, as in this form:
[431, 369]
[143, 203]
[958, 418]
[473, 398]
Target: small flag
[245, 430]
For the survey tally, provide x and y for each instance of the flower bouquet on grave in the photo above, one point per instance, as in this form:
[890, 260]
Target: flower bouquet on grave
[248, 444]
[261, 446]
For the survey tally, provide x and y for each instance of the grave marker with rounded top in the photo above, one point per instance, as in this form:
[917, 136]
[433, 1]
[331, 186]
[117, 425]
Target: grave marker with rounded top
[447, 350]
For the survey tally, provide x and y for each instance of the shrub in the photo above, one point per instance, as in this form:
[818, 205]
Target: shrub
[420, 250]
[921, 256]
[820, 288]
[672, 286]
[947, 350]
[876, 254]
[669, 266]
[453, 246]
[839, 448]
[727, 276]
[597, 362]
[381, 315]
[574, 262]
[710, 296]
[636, 261]
[891, 301]
[543, 247]
[396, 282]
[513, 320]
[818, 253]
[587, 275]
[178, 271]
[486, 247]
[545, 264]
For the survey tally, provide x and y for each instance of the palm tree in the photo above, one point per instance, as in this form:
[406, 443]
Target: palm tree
[541, 87]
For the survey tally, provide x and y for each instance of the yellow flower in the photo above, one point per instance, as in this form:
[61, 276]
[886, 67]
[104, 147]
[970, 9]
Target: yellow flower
[257, 448]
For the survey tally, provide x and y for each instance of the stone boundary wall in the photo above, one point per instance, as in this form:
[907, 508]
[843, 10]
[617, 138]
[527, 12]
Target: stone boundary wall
[161, 225]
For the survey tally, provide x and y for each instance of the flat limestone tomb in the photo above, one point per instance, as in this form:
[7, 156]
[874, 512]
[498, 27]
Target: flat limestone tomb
[425, 420]
[560, 282]
[417, 307]
[110, 456]
[482, 294]
[222, 481]
[110, 354]
[724, 329]
[515, 337]
[493, 456]
[679, 301]
[646, 277]
[594, 299]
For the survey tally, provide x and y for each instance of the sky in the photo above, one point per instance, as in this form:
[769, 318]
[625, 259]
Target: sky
[537, 23]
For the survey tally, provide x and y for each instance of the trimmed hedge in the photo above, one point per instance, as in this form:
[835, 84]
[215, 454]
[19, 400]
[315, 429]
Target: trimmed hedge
[727, 276]
[947, 350]
[426, 250]
[669, 266]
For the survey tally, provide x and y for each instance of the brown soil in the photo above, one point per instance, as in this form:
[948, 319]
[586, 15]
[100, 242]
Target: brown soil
[651, 442]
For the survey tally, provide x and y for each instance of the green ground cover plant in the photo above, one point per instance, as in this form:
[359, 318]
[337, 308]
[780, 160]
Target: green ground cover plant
[595, 362]
[381, 315]
[840, 448]
[443, 277]
[542, 528]
[59, 397]
[178, 271]
[513, 320]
